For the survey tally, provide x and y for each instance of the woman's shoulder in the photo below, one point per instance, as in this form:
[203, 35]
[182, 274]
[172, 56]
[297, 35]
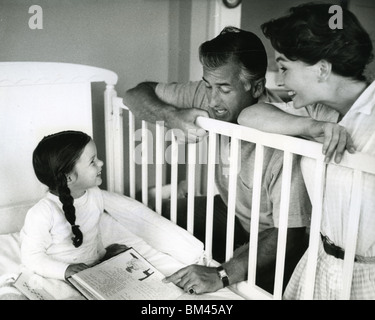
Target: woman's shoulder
[321, 112]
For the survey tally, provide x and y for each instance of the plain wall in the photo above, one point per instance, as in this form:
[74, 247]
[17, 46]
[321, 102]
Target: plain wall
[138, 39]
[127, 36]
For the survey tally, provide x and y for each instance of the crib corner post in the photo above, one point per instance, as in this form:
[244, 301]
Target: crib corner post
[109, 122]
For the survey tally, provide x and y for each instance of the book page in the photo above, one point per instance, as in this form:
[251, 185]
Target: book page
[127, 276]
[26, 285]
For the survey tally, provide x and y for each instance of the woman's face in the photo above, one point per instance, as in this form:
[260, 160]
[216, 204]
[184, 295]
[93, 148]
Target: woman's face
[300, 79]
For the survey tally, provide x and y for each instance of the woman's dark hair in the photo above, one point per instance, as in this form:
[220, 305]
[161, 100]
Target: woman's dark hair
[54, 158]
[305, 34]
[237, 45]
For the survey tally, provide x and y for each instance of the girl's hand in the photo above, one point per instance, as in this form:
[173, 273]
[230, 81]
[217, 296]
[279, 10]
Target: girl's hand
[113, 250]
[74, 268]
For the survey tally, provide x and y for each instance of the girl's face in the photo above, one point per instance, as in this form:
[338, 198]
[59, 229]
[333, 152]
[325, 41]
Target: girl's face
[300, 79]
[87, 171]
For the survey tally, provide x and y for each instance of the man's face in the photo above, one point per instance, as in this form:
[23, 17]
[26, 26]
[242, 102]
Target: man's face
[227, 95]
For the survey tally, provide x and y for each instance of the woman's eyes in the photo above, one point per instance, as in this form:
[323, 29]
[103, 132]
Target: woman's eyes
[282, 69]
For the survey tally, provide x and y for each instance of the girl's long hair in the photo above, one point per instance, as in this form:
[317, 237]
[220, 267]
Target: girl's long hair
[53, 159]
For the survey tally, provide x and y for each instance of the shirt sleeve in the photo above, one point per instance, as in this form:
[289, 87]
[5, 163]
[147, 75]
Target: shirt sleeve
[321, 112]
[299, 202]
[183, 95]
[36, 239]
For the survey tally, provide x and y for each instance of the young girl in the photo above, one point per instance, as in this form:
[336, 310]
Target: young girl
[61, 233]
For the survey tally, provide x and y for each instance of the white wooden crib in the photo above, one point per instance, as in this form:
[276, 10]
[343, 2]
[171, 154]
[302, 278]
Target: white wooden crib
[37, 99]
[360, 163]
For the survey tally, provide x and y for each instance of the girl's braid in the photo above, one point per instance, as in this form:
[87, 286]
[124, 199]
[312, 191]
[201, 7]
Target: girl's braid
[68, 208]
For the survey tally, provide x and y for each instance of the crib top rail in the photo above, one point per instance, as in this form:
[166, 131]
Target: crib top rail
[358, 160]
[32, 73]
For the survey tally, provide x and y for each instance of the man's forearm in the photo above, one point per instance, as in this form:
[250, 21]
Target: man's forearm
[237, 267]
[145, 104]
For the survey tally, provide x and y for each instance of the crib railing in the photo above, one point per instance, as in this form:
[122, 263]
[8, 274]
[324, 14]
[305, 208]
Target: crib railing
[290, 146]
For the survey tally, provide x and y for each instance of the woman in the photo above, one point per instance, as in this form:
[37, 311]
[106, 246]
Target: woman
[324, 70]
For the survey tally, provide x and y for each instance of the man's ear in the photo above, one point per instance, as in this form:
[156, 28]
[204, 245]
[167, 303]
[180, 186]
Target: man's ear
[258, 87]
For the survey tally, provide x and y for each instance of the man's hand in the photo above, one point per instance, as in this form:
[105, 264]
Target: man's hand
[74, 268]
[199, 278]
[182, 121]
[334, 138]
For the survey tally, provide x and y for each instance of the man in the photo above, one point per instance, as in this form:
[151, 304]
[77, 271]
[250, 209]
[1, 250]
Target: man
[234, 67]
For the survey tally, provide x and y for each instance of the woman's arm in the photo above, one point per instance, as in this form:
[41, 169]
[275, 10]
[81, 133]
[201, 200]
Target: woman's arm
[268, 118]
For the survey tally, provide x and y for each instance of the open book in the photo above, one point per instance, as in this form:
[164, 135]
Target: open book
[127, 276]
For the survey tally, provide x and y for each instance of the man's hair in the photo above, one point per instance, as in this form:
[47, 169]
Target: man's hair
[240, 46]
[304, 34]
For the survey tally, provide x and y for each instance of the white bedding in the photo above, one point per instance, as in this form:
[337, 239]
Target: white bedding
[167, 246]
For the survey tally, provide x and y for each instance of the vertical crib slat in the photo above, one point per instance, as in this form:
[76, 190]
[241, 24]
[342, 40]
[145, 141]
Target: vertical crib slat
[201, 169]
[210, 192]
[192, 155]
[352, 234]
[254, 225]
[174, 176]
[118, 141]
[109, 101]
[159, 159]
[283, 224]
[316, 216]
[232, 191]
[114, 141]
[145, 142]
[131, 155]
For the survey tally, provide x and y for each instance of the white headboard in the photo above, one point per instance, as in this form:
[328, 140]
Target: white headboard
[37, 99]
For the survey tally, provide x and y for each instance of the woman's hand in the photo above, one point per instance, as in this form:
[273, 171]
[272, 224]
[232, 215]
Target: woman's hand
[334, 137]
[74, 268]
